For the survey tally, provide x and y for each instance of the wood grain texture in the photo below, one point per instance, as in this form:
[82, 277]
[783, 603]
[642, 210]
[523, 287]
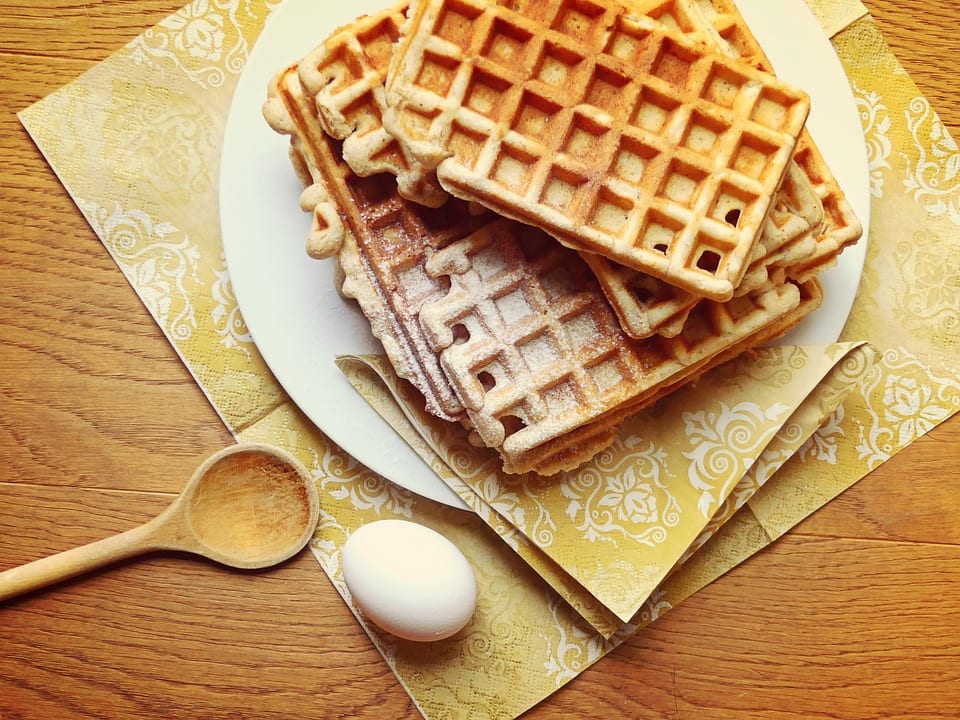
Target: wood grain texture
[850, 616]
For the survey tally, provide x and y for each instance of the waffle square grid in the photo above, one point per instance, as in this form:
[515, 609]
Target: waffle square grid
[841, 227]
[612, 131]
[534, 351]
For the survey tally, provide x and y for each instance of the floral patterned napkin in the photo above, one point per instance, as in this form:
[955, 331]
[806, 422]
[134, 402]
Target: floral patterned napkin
[610, 532]
[136, 142]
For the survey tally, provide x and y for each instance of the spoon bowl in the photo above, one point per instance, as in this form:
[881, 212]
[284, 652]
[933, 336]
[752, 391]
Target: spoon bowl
[248, 506]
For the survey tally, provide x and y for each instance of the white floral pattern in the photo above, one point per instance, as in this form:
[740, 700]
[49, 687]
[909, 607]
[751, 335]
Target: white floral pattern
[204, 40]
[327, 550]
[345, 480]
[720, 442]
[906, 401]
[574, 648]
[876, 130]
[631, 501]
[928, 293]
[158, 259]
[504, 501]
[934, 178]
[824, 444]
[655, 606]
[226, 316]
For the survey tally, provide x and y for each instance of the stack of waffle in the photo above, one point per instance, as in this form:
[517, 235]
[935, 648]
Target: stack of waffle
[554, 212]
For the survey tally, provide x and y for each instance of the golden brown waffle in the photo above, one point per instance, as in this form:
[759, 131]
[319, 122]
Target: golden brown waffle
[368, 226]
[601, 126]
[791, 231]
[572, 450]
[646, 305]
[345, 76]
[798, 207]
[841, 227]
[538, 358]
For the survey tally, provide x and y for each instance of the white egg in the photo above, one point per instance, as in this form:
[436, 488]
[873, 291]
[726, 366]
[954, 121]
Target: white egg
[410, 580]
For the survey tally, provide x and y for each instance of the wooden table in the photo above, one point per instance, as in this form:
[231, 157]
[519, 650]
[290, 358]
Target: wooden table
[853, 615]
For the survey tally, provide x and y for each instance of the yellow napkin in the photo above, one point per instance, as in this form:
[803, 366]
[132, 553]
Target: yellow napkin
[136, 142]
[616, 527]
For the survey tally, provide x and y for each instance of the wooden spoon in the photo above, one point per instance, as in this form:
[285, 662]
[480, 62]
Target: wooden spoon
[247, 506]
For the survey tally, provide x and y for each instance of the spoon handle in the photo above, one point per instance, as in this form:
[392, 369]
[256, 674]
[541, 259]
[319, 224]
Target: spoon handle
[76, 561]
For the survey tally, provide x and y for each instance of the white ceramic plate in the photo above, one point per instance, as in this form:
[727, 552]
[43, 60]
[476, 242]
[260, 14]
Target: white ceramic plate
[299, 322]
